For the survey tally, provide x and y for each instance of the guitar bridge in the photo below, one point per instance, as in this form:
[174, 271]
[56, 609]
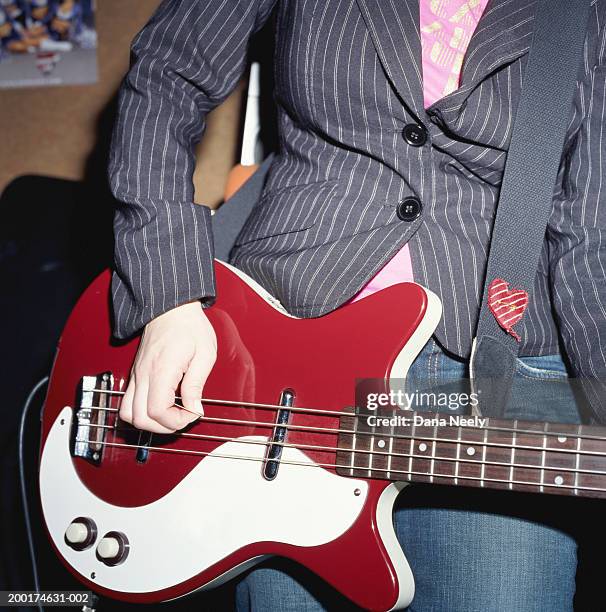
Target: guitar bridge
[90, 419]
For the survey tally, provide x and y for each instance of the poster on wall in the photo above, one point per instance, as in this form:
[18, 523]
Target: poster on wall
[47, 42]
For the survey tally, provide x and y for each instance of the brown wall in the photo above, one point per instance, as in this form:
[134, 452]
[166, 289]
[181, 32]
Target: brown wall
[52, 131]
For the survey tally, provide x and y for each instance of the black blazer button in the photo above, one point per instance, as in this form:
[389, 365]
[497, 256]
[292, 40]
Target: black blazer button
[415, 135]
[409, 209]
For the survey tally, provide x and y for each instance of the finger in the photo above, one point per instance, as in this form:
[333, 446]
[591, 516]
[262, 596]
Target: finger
[141, 419]
[161, 398]
[126, 405]
[192, 385]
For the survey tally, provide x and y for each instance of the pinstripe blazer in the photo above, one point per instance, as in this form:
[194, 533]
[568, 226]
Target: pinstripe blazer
[347, 82]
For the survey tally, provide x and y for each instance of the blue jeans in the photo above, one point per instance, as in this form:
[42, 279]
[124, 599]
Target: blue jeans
[469, 550]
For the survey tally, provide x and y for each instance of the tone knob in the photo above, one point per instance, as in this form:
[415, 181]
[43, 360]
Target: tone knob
[112, 548]
[108, 548]
[81, 533]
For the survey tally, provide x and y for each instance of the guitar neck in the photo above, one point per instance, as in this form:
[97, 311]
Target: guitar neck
[474, 452]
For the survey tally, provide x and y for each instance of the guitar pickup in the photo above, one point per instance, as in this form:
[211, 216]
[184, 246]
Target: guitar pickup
[274, 452]
[91, 417]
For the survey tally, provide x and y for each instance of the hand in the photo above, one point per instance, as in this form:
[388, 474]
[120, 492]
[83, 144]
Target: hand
[179, 346]
[60, 25]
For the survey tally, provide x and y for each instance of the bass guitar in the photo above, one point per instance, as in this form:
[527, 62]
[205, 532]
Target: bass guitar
[282, 462]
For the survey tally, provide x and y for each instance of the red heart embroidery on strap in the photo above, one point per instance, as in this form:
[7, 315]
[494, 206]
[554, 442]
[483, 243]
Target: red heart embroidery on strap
[507, 305]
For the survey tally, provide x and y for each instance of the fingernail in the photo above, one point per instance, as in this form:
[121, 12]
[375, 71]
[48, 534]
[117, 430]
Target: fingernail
[199, 408]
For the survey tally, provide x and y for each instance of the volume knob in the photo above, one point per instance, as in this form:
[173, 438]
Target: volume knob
[81, 533]
[113, 548]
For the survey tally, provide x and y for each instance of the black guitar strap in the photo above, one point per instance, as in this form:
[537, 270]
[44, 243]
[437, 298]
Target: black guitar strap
[527, 190]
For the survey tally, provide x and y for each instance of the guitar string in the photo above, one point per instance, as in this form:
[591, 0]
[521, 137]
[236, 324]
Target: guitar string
[270, 443]
[328, 430]
[321, 412]
[208, 400]
[337, 466]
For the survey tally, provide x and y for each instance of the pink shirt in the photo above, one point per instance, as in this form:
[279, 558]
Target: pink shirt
[446, 28]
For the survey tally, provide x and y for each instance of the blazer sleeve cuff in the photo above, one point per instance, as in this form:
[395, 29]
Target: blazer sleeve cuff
[163, 258]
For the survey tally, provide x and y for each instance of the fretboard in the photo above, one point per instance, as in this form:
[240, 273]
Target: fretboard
[496, 454]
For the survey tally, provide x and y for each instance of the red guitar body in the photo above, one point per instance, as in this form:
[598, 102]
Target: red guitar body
[187, 513]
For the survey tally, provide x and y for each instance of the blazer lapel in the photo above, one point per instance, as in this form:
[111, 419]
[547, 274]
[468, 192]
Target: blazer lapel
[394, 29]
[503, 34]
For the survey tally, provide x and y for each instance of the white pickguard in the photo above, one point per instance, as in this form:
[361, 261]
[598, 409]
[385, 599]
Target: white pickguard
[219, 507]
